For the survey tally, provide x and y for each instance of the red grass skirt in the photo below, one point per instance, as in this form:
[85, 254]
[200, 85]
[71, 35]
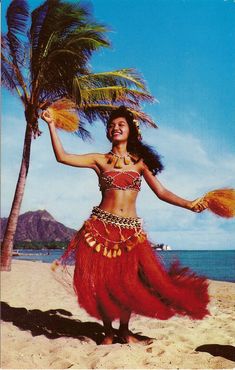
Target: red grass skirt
[110, 283]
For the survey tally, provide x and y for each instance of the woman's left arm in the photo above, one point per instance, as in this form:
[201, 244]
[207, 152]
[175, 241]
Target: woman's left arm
[169, 197]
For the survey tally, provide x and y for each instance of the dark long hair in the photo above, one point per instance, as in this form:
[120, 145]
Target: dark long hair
[134, 144]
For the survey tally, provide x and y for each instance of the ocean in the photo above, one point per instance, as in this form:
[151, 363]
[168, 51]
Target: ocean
[214, 264]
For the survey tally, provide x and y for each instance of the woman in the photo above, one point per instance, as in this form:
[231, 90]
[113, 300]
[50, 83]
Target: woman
[116, 272]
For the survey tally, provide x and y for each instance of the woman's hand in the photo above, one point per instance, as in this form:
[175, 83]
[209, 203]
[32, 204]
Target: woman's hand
[46, 116]
[198, 205]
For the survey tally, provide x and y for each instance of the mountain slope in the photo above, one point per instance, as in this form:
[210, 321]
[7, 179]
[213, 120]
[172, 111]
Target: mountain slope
[39, 226]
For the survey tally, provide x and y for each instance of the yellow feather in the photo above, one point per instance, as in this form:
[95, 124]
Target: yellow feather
[63, 113]
[221, 202]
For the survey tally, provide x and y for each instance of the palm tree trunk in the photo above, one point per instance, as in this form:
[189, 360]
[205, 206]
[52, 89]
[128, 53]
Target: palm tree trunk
[7, 244]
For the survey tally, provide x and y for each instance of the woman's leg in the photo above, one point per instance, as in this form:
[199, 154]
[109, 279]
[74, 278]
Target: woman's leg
[109, 332]
[124, 331]
[126, 334]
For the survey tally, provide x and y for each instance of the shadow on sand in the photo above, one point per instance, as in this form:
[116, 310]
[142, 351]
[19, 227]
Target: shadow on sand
[225, 351]
[55, 324]
[52, 323]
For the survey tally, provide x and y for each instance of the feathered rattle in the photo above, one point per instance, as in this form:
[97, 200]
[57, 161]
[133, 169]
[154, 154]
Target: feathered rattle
[221, 202]
[63, 112]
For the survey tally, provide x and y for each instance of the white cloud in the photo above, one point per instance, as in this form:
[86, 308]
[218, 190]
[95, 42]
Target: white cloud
[190, 172]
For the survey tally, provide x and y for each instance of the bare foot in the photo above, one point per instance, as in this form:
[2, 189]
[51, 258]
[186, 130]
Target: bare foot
[136, 339]
[130, 337]
[108, 339]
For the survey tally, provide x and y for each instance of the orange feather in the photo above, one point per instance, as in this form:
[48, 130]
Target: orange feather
[221, 202]
[64, 114]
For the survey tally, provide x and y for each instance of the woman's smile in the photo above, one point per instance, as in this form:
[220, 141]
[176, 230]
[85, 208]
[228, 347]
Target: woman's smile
[118, 129]
[116, 133]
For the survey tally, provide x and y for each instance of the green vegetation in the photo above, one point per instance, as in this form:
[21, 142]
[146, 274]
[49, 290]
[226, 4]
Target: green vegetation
[40, 245]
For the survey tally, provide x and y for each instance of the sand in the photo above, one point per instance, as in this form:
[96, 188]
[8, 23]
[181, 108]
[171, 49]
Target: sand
[44, 328]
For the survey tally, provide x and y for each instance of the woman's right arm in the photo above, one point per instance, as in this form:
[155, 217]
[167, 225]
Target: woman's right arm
[84, 160]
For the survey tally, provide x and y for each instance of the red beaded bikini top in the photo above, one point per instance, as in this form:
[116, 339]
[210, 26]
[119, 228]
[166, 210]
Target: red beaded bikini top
[120, 180]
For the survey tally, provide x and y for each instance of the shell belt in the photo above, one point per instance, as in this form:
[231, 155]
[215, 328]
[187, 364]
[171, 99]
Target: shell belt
[101, 242]
[110, 218]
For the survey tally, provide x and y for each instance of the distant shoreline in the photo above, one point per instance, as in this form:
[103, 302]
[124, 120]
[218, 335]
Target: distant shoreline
[48, 264]
[217, 265]
[154, 247]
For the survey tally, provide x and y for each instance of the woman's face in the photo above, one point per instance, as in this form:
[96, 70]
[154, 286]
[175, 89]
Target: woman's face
[118, 130]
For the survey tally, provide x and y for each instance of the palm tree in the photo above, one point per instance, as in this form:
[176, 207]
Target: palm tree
[45, 57]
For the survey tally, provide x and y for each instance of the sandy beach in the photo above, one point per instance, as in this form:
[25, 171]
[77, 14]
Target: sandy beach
[44, 328]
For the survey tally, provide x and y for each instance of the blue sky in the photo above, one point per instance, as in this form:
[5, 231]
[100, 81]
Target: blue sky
[185, 51]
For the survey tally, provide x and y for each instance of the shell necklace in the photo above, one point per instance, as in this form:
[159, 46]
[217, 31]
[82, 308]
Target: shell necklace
[118, 160]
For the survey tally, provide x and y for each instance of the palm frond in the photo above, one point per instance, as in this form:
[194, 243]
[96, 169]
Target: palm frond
[10, 75]
[17, 21]
[39, 35]
[68, 57]
[93, 112]
[122, 86]
[82, 132]
[57, 80]
[56, 24]
[118, 94]
[126, 77]
[144, 118]
[89, 37]
[63, 38]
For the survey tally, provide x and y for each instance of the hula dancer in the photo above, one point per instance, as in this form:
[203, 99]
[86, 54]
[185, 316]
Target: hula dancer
[116, 271]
